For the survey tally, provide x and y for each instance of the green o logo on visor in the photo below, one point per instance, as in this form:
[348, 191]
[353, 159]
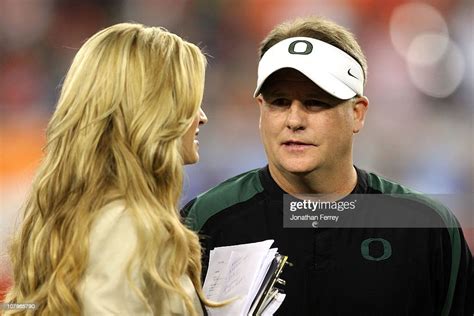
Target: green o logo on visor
[365, 249]
[307, 51]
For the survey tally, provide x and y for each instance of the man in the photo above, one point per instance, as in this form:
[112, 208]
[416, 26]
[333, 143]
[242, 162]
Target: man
[310, 93]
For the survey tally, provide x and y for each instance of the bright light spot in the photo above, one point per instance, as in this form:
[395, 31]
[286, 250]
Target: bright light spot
[412, 19]
[436, 76]
[427, 49]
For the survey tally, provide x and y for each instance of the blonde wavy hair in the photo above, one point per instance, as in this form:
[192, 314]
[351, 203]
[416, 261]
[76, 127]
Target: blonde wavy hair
[129, 96]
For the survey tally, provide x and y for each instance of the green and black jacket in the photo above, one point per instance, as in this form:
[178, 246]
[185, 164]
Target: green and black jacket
[429, 271]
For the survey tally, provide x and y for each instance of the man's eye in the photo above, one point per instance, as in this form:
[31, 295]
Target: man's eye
[316, 103]
[281, 102]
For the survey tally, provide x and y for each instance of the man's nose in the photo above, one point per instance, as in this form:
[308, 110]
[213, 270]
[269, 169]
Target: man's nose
[296, 118]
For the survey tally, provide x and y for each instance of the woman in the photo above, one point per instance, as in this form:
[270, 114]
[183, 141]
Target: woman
[101, 232]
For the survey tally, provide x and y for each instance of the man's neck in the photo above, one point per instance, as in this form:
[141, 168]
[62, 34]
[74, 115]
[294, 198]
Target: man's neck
[322, 181]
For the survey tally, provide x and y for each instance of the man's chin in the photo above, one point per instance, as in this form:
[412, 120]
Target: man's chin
[298, 168]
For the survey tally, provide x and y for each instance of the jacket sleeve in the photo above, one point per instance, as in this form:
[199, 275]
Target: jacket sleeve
[455, 273]
[463, 300]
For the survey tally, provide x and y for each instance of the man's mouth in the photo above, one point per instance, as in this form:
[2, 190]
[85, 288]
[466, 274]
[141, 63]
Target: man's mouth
[296, 145]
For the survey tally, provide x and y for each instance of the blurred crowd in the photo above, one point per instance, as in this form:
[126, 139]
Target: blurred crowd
[420, 85]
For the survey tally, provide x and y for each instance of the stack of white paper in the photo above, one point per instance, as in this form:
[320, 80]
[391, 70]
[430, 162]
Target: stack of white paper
[238, 272]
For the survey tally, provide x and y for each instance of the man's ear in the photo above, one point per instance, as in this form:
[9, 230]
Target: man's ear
[259, 99]
[359, 108]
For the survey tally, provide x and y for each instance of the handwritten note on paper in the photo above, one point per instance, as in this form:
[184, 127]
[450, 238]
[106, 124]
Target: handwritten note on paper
[234, 276]
[217, 274]
[214, 285]
[232, 273]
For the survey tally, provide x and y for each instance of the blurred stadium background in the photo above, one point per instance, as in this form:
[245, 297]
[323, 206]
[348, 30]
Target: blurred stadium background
[420, 85]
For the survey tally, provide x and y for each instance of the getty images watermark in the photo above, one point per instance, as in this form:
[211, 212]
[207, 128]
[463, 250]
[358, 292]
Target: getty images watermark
[377, 211]
[314, 210]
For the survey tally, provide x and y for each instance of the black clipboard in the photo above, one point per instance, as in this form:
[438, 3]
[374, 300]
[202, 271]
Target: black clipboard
[262, 299]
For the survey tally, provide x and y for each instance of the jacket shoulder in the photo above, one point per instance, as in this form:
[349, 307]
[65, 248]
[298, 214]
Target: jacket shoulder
[235, 190]
[384, 186]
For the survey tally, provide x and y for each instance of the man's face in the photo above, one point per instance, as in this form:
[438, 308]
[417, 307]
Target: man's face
[303, 128]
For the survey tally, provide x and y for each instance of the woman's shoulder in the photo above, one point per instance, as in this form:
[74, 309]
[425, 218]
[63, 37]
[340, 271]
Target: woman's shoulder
[111, 213]
[112, 232]
[110, 217]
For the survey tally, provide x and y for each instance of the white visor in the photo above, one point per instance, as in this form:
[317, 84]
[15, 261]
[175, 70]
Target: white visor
[332, 69]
